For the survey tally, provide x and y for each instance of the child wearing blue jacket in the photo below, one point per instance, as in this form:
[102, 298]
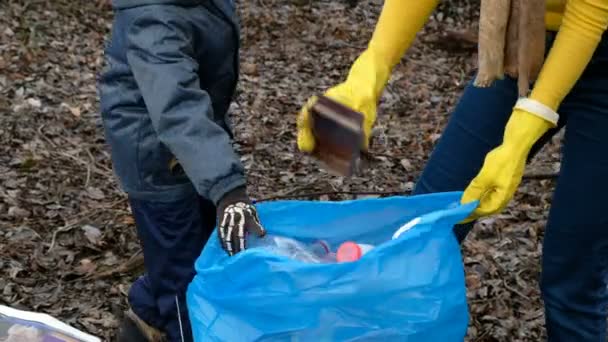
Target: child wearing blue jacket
[172, 69]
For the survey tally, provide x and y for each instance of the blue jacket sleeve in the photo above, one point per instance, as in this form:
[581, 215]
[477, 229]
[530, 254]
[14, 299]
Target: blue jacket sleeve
[161, 55]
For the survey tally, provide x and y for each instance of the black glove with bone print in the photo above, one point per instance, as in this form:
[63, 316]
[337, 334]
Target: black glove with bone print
[237, 217]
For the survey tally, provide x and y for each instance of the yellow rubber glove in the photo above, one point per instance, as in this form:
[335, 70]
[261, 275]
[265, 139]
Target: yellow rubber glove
[397, 26]
[504, 166]
[583, 24]
[359, 92]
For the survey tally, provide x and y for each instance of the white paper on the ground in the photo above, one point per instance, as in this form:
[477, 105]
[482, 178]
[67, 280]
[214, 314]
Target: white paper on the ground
[49, 328]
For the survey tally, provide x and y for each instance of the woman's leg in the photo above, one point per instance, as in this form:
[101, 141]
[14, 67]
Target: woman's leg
[575, 252]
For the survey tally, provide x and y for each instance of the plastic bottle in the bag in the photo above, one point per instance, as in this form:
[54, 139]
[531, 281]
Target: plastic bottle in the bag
[352, 251]
[316, 252]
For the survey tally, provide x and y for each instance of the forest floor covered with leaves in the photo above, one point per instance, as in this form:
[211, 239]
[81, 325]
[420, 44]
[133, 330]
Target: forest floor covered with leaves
[68, 245]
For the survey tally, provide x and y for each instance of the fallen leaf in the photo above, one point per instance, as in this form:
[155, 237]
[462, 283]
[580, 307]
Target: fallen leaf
[18, 212]
[13, 193]
[75, 110]
[92, 234]
[34, 102]
[24, 234]
[95, 193]
[86, 266]
[434, 137]
[8, 290]
[16, 268]
[473, 281]
[407, 164]
[127, 219]
[249, 68]
[109, 259]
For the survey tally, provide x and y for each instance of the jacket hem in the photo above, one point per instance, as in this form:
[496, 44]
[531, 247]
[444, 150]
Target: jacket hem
[168, 194]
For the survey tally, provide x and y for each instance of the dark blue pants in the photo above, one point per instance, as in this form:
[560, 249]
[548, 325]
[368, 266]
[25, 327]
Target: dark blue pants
[574, 275]
[173, 235]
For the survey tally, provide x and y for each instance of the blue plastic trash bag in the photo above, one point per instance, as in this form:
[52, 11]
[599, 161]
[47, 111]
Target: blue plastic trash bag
[408, 289]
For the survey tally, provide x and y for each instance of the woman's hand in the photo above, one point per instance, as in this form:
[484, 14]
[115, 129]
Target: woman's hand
[504, 166]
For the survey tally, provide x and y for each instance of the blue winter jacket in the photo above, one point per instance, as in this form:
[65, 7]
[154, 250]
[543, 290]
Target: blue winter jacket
[172, 69]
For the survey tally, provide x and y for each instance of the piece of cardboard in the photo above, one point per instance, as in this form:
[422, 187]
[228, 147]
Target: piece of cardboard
[339, 136]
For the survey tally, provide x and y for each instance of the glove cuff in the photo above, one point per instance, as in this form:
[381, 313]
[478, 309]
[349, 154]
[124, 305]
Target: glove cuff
[537, 108]
[234, 196]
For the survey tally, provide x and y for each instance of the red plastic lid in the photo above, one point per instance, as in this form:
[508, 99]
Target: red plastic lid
[348, 251]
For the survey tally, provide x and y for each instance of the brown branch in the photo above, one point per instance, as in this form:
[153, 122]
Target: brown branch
[135, 262]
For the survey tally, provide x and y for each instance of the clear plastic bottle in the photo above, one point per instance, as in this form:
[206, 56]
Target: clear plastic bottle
[317, 252]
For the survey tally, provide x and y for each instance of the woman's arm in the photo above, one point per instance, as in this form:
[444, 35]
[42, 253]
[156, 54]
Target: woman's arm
[583, 24]
[398, 24]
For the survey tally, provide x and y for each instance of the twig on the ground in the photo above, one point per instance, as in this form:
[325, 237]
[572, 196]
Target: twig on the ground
[83, 162]
[539, 175]
[88, 179]
[135, 261]
[482, 336]
[63, 229]
[515, 291]
[79, 217]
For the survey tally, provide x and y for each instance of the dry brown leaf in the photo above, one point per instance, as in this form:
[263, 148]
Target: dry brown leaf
[95, 193]
[75, 110]
[92, 234]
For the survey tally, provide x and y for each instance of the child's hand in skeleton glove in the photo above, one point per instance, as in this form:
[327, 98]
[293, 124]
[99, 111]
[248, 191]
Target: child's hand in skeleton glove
[237, 217]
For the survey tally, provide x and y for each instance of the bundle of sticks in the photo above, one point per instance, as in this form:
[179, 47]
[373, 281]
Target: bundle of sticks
[511, 41]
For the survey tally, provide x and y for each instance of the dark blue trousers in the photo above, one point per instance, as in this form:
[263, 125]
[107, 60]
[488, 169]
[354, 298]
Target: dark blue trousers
[574, 275]
[173, 235]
